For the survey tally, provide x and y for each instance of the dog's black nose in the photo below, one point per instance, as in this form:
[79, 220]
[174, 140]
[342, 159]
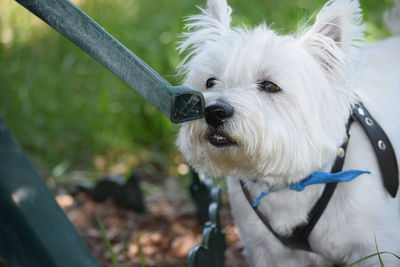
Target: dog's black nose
[217, 113]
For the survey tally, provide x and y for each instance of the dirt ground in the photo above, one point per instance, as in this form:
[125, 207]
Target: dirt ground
[163, 236]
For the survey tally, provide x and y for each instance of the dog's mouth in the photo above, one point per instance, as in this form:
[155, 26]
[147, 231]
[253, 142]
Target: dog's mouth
[218, 138]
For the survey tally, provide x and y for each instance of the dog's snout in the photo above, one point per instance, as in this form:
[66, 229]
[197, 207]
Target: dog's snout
[217, 113]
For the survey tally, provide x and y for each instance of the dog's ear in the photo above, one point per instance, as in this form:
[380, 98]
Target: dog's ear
[337, 30]
[211, 24]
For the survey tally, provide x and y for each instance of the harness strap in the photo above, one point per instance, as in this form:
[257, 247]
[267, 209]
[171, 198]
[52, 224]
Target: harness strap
[383, 148]
[299, 237]
[387, 163]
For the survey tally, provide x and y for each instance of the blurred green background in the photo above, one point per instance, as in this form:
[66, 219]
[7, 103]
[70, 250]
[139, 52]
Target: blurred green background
[71, 114]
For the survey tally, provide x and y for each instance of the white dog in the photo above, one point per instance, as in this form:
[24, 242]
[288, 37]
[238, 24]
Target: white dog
[276, 112]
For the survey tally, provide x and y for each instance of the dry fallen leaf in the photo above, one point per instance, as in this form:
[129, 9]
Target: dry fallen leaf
[65, 201]
[181, 245]
[231, 234]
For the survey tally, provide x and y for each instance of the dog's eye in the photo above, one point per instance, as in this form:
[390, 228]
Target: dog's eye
[268, 86]
[210, 82]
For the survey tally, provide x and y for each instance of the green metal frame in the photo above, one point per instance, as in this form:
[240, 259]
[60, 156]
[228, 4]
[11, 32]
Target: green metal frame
[201, 195]
[34, 230]
[178, 103]
[211, 251]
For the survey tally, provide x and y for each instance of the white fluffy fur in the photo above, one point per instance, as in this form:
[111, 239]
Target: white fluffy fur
[283, 137]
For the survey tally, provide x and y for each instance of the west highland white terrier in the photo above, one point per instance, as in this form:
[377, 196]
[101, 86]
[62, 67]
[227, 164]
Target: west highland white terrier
[277, 117]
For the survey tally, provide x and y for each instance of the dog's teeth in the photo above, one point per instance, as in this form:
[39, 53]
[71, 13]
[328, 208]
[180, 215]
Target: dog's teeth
[218, 137]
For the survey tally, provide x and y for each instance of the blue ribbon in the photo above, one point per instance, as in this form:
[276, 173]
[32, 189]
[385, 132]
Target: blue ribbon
[315, 178]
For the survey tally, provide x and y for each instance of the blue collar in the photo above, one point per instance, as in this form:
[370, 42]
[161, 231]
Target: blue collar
[314, 178]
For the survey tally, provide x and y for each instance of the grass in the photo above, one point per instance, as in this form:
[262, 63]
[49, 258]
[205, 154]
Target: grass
[106, 241]
[109, 247]
[64, 107]
[377, 254]
[143, 262]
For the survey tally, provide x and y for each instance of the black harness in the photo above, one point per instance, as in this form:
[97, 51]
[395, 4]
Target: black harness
[387, 165]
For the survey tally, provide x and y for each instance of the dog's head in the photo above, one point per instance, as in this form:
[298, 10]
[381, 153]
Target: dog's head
[276, 106]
